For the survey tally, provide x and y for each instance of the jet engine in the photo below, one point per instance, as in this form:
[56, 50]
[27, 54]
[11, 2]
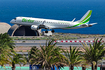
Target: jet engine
[34, 27]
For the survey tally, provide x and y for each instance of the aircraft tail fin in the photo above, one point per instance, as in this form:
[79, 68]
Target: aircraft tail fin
[85, 19]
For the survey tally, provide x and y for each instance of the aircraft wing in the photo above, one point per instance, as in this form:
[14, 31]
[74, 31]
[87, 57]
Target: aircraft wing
[35, 27]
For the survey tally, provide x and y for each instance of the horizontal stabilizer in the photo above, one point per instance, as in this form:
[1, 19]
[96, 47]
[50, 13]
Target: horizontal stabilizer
[92, 24]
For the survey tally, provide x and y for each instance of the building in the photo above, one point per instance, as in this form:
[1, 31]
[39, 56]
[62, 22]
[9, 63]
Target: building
[4, 27]
[18, 30]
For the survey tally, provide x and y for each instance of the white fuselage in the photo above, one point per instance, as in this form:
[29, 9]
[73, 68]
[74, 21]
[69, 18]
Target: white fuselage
[38, 23]
[52, 24]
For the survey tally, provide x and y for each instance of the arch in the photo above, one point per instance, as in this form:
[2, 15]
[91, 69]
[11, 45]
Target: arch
[17, 30]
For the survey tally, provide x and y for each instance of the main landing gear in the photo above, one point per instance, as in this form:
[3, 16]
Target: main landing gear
[51, 31]
[46, 31]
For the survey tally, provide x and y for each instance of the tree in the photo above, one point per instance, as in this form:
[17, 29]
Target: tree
[85, 57]
[4, 55]
[73, 57]
[6, 48]
[94, 53]
[17, 59]
[47, 56]
[5, 39]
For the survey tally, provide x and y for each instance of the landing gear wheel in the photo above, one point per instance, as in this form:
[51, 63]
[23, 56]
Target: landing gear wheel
[52, 31]
[46, 31]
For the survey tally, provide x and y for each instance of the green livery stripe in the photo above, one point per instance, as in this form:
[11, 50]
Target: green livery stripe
[79, 23]
[75, 25]
[87, 15]
[86, 20]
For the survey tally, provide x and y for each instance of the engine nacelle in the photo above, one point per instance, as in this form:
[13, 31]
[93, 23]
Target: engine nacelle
[34, 27]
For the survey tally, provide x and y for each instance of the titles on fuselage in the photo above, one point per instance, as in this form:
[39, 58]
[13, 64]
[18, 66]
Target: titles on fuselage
[27, 20]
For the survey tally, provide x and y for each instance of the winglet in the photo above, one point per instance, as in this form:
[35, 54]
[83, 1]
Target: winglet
[73, 20]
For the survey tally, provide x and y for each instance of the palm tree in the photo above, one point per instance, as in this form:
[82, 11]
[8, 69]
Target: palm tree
[85, 57]
[48, 56]
[4, 55]
[17, 59]
[7, 53]
[6, 39]
[94, 53]
[73, 57]
[6, 48]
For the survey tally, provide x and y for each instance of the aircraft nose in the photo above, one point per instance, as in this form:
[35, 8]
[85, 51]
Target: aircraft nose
[12, 21]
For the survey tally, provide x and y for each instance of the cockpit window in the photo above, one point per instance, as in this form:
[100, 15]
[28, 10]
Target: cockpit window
[14, 18]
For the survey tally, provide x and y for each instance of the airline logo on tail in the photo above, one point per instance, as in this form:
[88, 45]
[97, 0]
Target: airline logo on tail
[85, 19]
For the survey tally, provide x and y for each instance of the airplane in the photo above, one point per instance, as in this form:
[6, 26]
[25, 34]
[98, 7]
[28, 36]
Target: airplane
[39, 23]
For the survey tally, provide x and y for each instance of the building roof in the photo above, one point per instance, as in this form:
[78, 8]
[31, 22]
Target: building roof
[4, 27]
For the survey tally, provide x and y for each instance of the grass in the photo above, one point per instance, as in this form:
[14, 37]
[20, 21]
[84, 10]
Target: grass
[58, 36]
